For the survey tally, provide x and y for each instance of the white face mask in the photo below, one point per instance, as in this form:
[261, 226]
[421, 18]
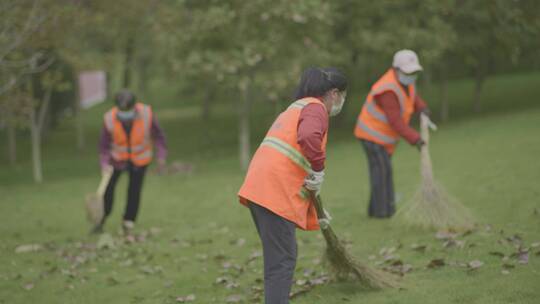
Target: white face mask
[337, 108]
[406, 79]
[126, 115]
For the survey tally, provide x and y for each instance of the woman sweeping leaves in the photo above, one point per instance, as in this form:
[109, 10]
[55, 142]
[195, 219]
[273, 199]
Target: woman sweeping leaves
[288, 163]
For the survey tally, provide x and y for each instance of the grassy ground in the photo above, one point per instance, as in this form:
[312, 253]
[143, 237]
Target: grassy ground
[200, 241]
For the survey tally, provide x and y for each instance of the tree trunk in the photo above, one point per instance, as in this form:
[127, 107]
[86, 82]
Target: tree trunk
[36, 148]
[79, 130]
[128, 60]
[207, 103]
[479, 83]
[244, 131]
[12, 143]
[443, 96]
[36, 128]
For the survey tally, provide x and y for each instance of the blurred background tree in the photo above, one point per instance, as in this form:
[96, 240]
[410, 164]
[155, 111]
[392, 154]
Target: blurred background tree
[244, 55]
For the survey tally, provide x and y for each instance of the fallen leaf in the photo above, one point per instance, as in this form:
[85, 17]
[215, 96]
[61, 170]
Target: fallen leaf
[28, 286]
[467, 232]
[445, 235]
[508, 266]
[301, 291]
[505, 272]
[435, 263]
[234, 299]
[28, 248]
[458, 264]
[231, 285]
[397, 263]
[419, 248]
[515, 239]
[387, 251]
[188, 298]
[497, 253]
[112, 281]
[202, 257]
[406, 268]
[222, 280]
[255, 255]
[105, 241]
[523, 257]
[390, 258]
[308, 272]
[454, 243]
[473, 265]
[319, 281]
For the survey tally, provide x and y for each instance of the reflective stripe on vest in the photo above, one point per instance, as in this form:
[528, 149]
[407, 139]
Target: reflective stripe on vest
[288, 151]
[370, 107]
[299, 104]
[144, 155]
[109, 121]
[381, 137]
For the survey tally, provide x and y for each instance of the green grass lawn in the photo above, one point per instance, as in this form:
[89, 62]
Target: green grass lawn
[200, 241]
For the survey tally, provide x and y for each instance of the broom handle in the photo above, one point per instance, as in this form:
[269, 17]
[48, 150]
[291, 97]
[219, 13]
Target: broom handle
[105, 178]
[424, 128]
[317, 202]
[425, 166]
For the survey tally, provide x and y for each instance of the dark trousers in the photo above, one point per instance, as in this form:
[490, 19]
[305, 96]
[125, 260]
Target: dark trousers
[381, 202]
[278, 237]
[136, 178]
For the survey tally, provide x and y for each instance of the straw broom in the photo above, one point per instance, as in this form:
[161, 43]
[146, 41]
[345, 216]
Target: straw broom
[432, 207]
[343, 265]
[94, 201]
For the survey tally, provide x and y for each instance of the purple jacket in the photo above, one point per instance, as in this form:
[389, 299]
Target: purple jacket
[106, 139]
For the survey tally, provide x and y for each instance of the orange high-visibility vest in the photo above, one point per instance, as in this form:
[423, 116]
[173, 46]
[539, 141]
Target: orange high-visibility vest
[372, 123]
[276, 174]
[137, 146]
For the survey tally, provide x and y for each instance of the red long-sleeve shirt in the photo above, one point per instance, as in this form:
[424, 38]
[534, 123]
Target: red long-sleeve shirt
[389, 103]
[312, 127]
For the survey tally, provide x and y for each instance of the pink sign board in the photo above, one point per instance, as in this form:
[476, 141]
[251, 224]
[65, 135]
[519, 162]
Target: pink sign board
[92, 88]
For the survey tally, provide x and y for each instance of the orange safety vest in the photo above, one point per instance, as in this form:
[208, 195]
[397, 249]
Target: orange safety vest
[372, 123]
[275, 178]
[137, 147]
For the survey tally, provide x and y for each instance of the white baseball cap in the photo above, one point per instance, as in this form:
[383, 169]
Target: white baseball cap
[407, 61]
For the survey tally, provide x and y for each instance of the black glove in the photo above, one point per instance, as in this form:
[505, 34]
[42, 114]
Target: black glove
[419, 143]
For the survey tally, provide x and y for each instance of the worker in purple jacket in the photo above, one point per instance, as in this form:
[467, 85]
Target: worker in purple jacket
[129, 132]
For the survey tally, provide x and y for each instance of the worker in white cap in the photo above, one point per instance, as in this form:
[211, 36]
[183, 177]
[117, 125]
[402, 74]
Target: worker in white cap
[383, 120]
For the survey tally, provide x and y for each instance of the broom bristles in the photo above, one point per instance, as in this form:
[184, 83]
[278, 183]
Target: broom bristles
[432, 206]
[94, 208]
[343, 266]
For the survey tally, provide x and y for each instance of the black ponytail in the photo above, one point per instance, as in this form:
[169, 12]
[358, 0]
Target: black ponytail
[315, 82]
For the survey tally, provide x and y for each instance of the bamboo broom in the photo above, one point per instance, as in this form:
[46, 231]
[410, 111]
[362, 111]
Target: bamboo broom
[343, 265]
[431, 206]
